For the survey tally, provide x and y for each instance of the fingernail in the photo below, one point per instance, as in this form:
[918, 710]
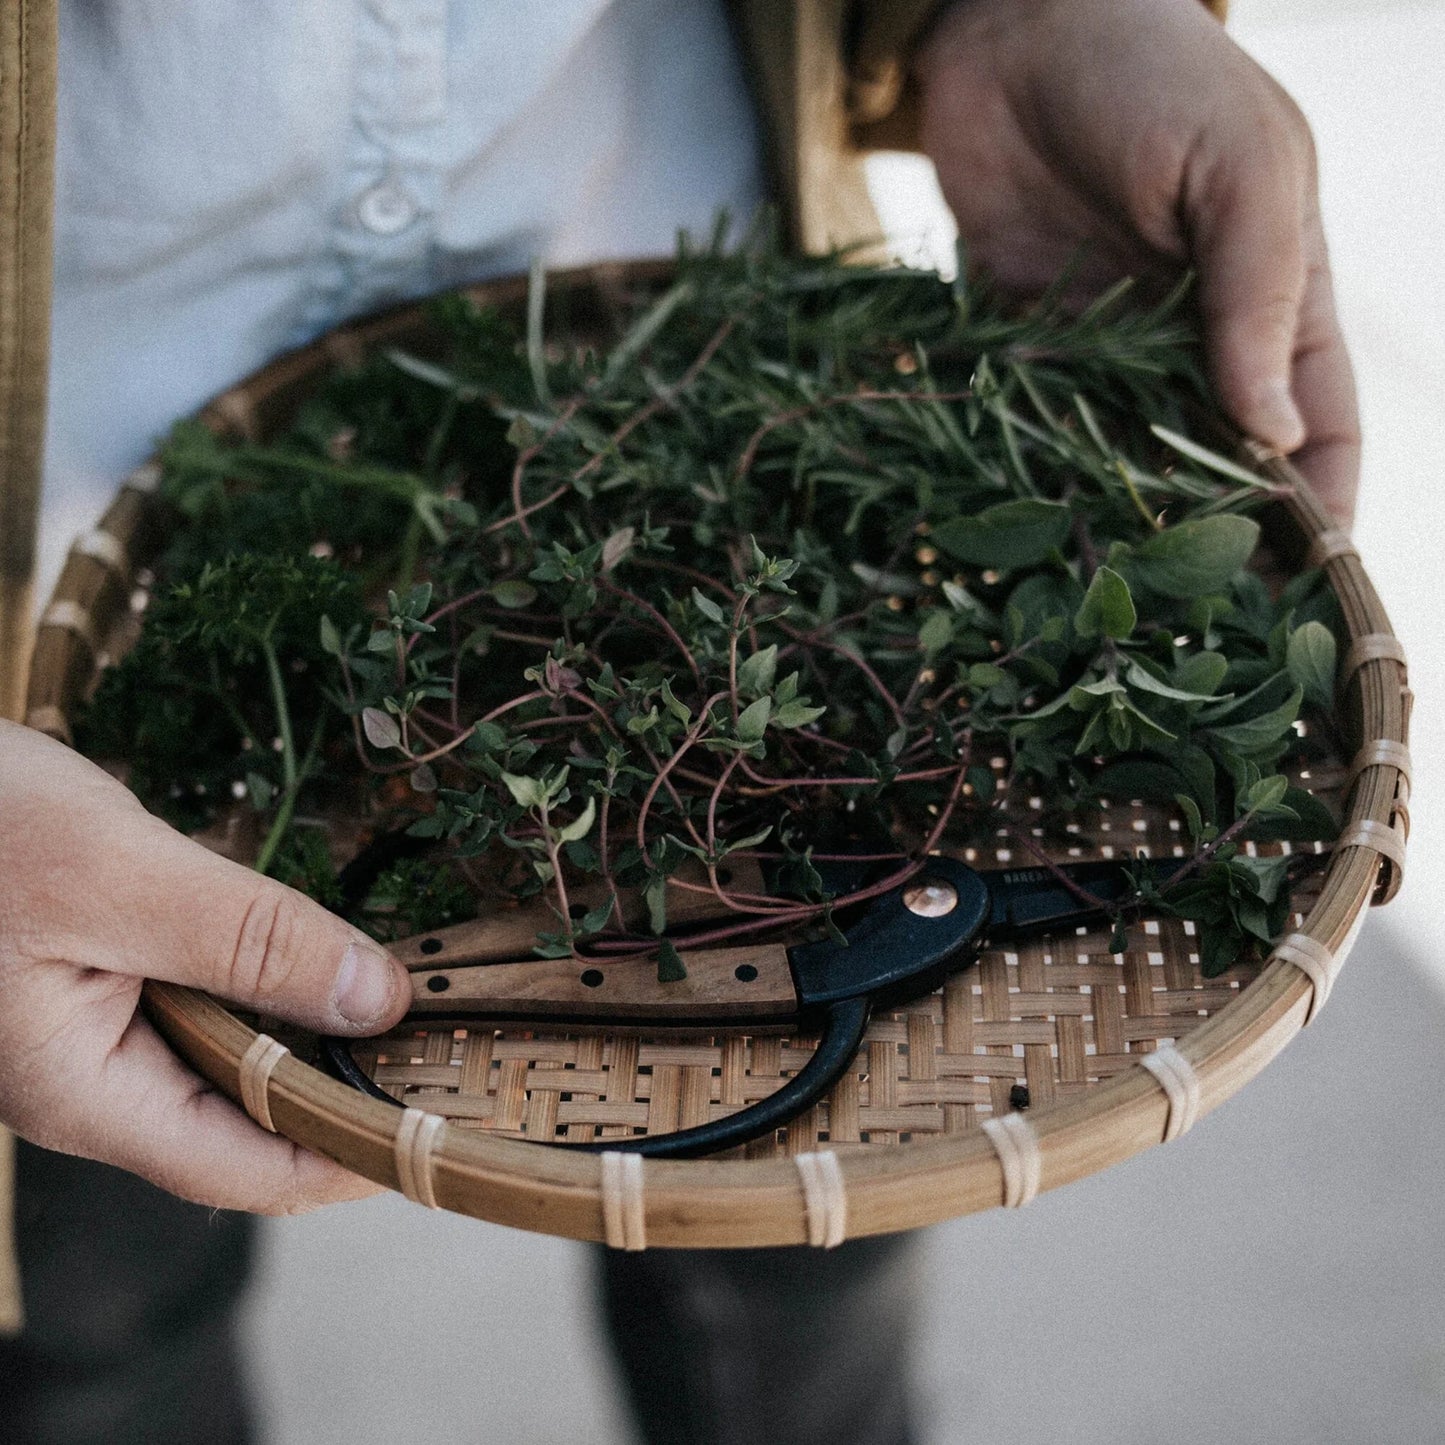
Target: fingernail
[364, 985]
[1277, 418]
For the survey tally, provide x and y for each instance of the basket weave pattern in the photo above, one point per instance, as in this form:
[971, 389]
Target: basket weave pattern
[1054, 1018]
[1062, 1018]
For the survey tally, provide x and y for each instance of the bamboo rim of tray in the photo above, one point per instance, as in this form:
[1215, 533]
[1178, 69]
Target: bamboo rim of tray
[737, 1202]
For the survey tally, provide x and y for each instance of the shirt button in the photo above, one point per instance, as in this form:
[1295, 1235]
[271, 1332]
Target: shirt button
[386, 209]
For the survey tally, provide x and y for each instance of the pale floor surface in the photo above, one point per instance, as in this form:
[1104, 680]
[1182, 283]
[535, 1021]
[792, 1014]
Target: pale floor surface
[1274, 1277]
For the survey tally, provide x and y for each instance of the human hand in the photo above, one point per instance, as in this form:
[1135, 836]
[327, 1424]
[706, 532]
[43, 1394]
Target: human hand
[96, 895]
[1140, 128]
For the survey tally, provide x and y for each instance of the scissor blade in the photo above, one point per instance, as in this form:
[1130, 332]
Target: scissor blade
[723, 985]
[1026, 902]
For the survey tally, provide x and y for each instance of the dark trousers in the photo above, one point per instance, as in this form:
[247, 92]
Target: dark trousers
[130, 1336]
[129, 1300]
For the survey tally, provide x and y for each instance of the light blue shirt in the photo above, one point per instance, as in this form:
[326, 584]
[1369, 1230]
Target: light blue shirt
[236, 176]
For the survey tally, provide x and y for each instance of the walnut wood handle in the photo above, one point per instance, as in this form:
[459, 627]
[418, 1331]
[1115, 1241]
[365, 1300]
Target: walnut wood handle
[723, 985]
[505, 932]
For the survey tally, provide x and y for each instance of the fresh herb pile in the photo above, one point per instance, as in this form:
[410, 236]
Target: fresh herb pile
[811, 562]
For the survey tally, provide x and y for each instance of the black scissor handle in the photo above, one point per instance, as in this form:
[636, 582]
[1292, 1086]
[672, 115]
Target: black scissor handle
[843, 1027]
[844, 1024]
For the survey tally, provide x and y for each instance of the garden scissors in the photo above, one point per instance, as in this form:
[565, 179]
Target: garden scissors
[899, 946]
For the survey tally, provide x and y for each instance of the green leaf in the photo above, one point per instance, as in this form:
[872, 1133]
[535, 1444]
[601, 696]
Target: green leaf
[1192, 818]
[521, 434]
[330, 637]
[1201, 673]
[654, 895]
[753, 720]
[1260, 732]
[1206, 458]
[488, 737]
[959, 598]
[1195, 557]
[1265, 795]
[581, 825]
[707, 607]
[1145, 681]
[797, 714]
[757, 672]
[936, 632]
[260, 790]
[1300, 818]
[1198, 769]
[679, 710]
[513, 593]
[644, 722]
[891, 582]
[670, 967]
[1219, 949]
[381, 729]
[527, 792]
[1310, 658]
[1149, 730]
[751, 841]
[637, 337]
[423, 370]
[595, 919]
[1012, 534]
[1107, 607]
[1265, 876]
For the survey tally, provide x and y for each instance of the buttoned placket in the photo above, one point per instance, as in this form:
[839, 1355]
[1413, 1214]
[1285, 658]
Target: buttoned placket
[382, 235]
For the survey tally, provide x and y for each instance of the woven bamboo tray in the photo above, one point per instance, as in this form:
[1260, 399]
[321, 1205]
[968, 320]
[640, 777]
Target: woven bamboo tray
[1030, 1070]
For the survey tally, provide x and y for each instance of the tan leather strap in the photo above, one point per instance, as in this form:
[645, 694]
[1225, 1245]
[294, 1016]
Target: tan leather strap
[27, 185]
[796, 55]
[11, 1314]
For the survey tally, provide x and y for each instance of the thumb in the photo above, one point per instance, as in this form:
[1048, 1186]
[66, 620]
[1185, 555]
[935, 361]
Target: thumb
[1247, 223]
[185, 915]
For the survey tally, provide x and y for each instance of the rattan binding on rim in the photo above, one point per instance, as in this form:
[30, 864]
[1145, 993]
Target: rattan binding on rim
[414, 1148]
[925, 1129]
[1181, 1087]
[257, 1065]
[1315, 961]
[1328, 545]
[1013, 1137]
[825, 1198]
[624, 1211]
